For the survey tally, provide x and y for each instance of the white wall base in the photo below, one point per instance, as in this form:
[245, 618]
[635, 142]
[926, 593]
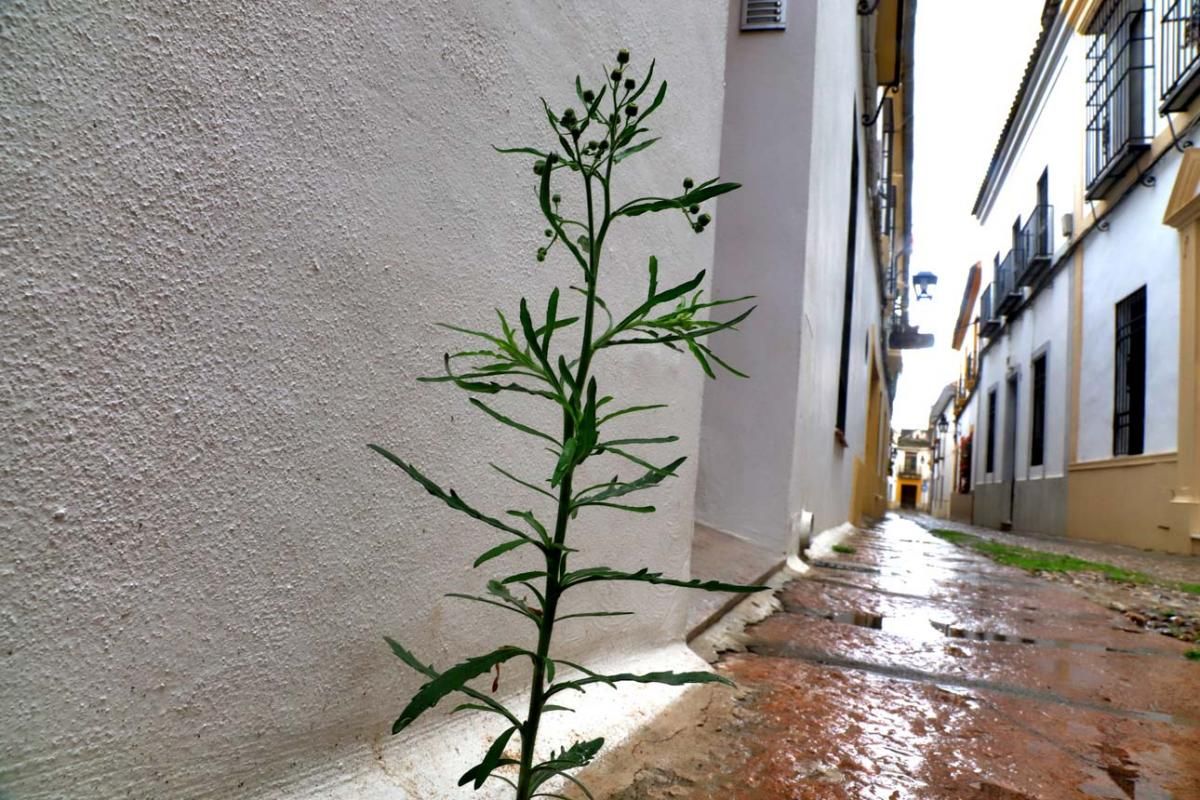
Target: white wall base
[426, 764]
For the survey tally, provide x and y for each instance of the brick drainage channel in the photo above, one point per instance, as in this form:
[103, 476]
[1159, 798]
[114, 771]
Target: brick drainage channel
[914, 670]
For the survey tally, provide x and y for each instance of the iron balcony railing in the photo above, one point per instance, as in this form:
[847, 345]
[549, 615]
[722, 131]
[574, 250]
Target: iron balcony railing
[1007, 295]
[1179, 73]
[1036, 246]
[1119, 65]
[987, 312]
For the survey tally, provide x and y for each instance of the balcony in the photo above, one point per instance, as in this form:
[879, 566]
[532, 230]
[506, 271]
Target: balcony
[1179, 77]
[1120, 63]
[1036, 245]
[1005, 293]
[989, 318]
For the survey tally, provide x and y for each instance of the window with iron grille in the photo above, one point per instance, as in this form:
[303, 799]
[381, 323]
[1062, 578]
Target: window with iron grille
[1129, 395]
[910, 463]
[1037, 438]
[1179, 76]
[1119, 64]
[989, 453]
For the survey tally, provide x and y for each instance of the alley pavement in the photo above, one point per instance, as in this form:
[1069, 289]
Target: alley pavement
[914, 670]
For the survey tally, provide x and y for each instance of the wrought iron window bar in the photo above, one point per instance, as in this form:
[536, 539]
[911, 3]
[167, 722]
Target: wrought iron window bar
[1119, 63]
[1179, 74]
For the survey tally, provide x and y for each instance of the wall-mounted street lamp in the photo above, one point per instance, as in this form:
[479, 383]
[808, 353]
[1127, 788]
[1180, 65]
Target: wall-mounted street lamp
[942, 424]
[923, 280]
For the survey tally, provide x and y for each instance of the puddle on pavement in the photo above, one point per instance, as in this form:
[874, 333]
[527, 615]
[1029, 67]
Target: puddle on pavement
[922, 629]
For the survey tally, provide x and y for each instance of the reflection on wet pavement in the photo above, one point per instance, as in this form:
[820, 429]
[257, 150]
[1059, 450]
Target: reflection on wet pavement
[909, 670]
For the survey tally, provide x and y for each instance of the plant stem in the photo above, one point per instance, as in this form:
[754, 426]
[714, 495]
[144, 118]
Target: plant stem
[555, 557]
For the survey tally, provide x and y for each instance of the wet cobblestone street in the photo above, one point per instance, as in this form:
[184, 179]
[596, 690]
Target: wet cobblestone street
[914, 670]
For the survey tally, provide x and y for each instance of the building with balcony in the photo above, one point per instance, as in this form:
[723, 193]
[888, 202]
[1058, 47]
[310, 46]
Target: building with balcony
[1075, 428]
[912, 468]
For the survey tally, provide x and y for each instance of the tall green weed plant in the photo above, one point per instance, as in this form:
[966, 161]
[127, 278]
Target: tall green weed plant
[548, 358]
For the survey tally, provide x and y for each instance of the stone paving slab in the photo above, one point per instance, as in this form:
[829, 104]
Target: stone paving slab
[1022, 690]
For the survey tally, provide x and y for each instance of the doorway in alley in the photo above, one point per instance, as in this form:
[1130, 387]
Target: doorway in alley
[908, 495]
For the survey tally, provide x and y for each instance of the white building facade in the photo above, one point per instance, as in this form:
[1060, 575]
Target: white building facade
[228, 238]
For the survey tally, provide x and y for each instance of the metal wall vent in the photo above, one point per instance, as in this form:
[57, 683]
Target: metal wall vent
[764, 15]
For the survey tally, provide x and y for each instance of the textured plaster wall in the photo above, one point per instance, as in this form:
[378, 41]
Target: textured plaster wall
[226, 234]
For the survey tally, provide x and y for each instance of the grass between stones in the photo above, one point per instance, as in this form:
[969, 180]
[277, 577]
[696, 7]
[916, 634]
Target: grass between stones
[1038, 560]
[845, 549]
[1192, 655]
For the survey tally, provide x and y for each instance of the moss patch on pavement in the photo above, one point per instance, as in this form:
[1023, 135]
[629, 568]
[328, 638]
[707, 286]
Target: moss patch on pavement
[845, 549]
[1192, 655]
[1039, 560]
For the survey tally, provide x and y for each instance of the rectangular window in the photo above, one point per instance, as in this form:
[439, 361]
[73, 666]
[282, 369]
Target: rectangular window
[848, 297]
[989, 452]
[910, 463]
[1129, 370]
[1119, 63]
[1037, 437]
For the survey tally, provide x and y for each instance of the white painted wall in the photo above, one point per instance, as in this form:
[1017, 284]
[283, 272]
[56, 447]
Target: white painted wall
[749, 425]
[1049, 135]
[823, 469]
[1042, 327]
[1136, 250]
[768, 447]
[227, 238]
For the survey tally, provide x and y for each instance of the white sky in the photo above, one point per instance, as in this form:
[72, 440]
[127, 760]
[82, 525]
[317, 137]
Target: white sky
[970, 56]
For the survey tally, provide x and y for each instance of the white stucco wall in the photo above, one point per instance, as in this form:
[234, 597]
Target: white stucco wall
[1136, 250]
[1048, 136]
[227, 236]
[1042, 327]
[768, 447]
[749, 425]
[822, 468]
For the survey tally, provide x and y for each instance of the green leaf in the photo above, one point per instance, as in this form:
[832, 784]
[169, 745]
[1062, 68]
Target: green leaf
[429, 672]
[565, 461]
[501, 591]
[496, 415]
[495, 755]
[658, 299]
[653, 477]
[591, 574]
[498, 551]
[631, 410]
[694, 197]
[551, 313]
[450, 498]
[704, 365]
[646, 440]
[658, 98]
[532, 522]
[637, 148]
[576, 756]
[595, 614]
[668, 678]
[533, 151]
[449, 681]
[526, 484]
[485, 601]
[645, 82]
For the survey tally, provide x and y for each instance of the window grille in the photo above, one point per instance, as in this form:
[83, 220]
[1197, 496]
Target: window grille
[1129, 394]
[1037, 438]
[764, 15]
[990, 447]
[1119, 64]
[1179, 78]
